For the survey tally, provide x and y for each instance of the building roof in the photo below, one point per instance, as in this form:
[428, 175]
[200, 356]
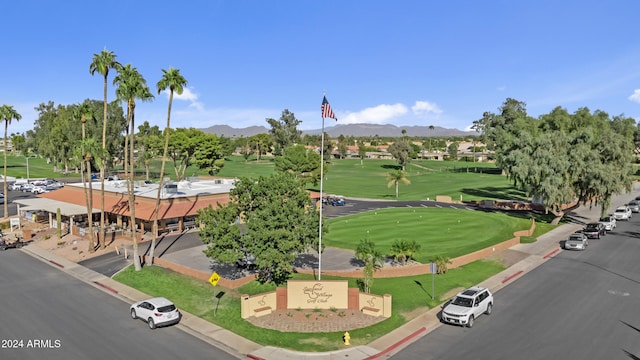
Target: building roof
[52, 206]
[186, 201]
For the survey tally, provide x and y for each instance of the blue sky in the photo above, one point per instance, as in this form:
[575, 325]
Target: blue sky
[419, 62]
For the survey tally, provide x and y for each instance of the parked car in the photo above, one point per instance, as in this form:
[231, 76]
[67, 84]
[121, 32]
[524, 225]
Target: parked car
[634, 206]
[594, 230]
[609, 222]
[8, 244]
[334, 200]
[467, 305]
[622, 213]
[576, 241]
[15, 186]
[156, 312]
[39, 190]
[26, 187]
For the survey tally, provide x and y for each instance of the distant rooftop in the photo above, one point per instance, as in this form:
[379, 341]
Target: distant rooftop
[172, 189]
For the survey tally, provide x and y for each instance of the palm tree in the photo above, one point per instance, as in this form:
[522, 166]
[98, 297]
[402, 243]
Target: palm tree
[395, 178]
[131, 86]
[373, 260]
[175, 82]
[431, 128]
[102, 63]
[7, 113]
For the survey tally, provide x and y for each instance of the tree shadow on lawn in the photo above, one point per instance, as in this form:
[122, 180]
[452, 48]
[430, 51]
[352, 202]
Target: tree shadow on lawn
[500, 193]
[391, 167]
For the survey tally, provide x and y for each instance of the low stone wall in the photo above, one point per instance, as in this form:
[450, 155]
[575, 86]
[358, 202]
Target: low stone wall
[201, 275]
[386, 272]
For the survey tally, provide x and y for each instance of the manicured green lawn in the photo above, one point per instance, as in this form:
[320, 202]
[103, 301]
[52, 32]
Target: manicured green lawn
[411, 295]
[439, 231]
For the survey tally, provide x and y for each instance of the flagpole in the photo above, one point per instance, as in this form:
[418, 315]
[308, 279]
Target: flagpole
[321, 179]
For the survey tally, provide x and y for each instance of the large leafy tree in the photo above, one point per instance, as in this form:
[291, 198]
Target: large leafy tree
[209, 154]
[102, 63]
[301, 162]
[402, 152]
[561, 157]
[7, 113]
[270, 219]
[260, 143]
[284, 131]
[173, 81]
[131, 86]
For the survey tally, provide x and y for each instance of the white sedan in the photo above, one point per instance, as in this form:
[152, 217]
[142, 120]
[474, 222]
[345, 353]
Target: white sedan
[156, 312]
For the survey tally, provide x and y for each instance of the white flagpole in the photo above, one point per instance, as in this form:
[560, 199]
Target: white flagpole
[321, 179]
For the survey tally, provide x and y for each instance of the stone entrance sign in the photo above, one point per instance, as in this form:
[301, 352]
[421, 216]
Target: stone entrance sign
[318, 294]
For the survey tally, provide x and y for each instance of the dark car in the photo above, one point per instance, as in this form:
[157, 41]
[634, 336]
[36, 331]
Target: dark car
[594, 230]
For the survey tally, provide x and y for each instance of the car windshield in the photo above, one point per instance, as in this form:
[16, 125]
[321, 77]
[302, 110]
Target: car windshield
[575, 238]
[592, 227]
[621, 210]
[462, 301]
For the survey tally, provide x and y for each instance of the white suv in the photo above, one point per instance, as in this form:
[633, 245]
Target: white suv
[622, 213]
[467, 306]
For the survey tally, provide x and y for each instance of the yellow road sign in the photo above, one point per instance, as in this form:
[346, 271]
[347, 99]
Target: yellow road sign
[214, 278]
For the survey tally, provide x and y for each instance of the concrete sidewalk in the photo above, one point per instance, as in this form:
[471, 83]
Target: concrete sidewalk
[536, 254]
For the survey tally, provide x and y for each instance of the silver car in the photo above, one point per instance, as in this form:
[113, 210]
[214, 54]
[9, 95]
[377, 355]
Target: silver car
[156, 312]
[609, 222]
[634, 206]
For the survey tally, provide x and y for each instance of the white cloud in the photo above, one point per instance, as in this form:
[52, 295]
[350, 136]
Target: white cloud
[187, 95]
[635, 97]
[422, 107]
[374, 115]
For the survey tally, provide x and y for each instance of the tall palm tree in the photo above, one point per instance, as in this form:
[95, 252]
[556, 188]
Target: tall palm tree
[7, 113]
[431, 128]
[102, 63]
[175, 82]
[130, 85]
[85, 112]
[395, 178]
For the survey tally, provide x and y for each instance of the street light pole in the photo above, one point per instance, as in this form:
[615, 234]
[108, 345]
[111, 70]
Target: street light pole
[27, 169]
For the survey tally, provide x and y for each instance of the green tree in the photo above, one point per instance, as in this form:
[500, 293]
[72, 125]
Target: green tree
[561, 157]
[452, 149]
[150, 144]
[373, 260]
[342, 149]
[442, 264]
[395, 178]
[261, 143]
[131, 86]
[102, 63]
[7, 113]
[270, 219]
[209, 155]
[402, 152]
[284, 132]
[404, 250]
[300, 162]
[362, 151]
[175, 82]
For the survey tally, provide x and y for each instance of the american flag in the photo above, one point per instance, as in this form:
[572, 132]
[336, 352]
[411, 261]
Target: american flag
[326, 109]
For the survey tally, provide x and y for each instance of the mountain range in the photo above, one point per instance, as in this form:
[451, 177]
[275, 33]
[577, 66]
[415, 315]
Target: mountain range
[355, 130]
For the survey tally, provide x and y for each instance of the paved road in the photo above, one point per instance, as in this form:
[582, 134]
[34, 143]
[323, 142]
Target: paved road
[47, 314]
[577, 305]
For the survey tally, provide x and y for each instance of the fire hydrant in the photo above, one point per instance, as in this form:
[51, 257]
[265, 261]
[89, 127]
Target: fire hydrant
[346, 338]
